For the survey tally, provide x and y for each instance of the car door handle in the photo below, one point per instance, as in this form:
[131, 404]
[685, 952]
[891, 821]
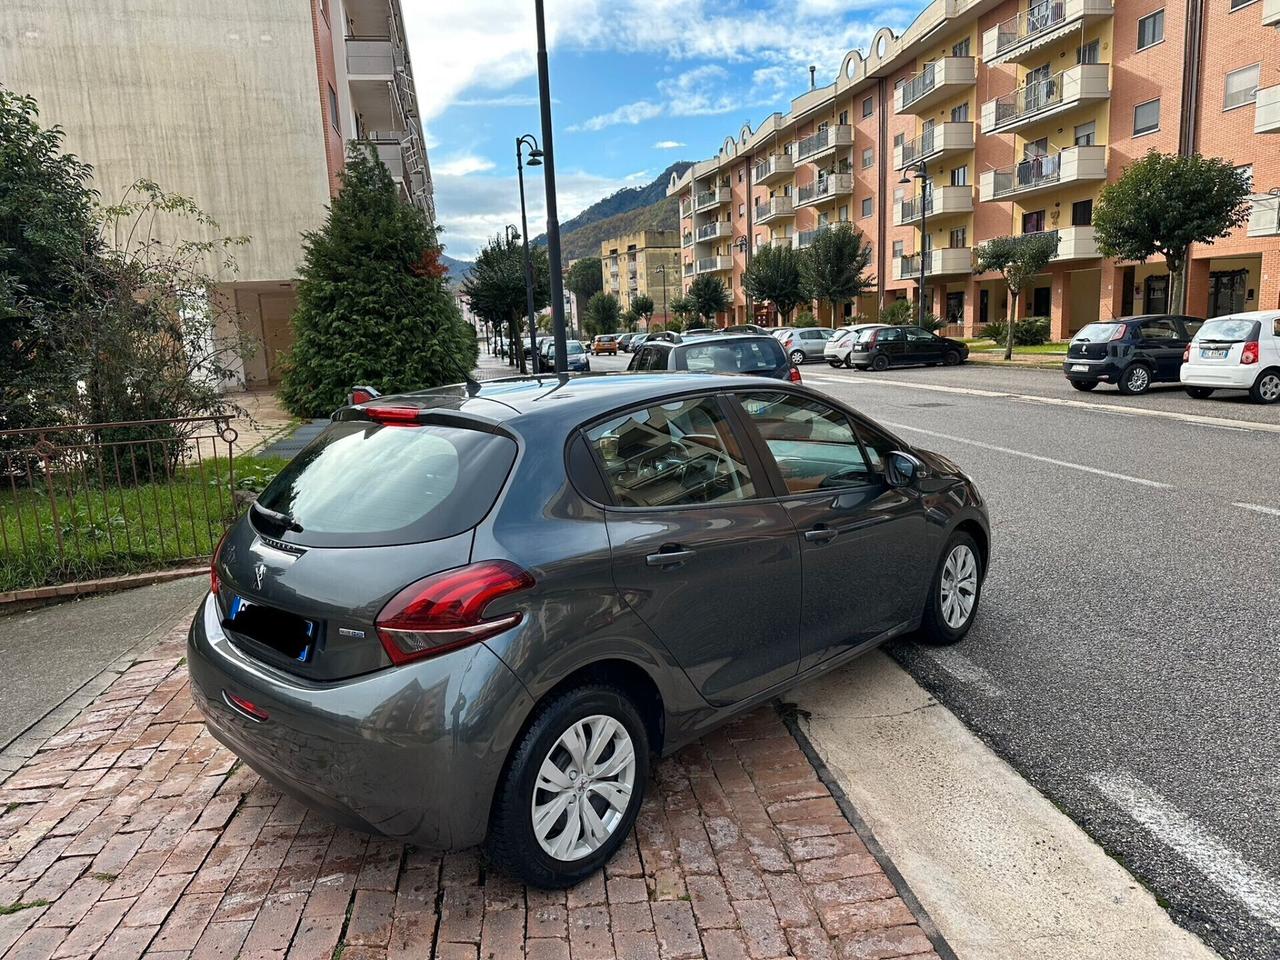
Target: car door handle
[668, 558]
[821, 534]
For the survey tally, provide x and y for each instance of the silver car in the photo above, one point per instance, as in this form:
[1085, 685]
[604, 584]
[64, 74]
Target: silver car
[805, 343]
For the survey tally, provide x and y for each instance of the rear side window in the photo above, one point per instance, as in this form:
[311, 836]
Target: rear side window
[1162, 329]
[760, 355]
[368, 484]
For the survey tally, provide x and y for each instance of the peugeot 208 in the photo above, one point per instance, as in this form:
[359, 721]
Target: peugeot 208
[480, 611]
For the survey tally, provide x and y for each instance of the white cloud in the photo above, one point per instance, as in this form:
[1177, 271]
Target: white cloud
[505, 100]
[628, 113]
[460, 165]
[669, 145]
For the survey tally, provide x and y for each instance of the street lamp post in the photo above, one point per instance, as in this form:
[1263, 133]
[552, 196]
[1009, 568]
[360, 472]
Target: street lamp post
[922, 174]
[549, 181]
[535, 160]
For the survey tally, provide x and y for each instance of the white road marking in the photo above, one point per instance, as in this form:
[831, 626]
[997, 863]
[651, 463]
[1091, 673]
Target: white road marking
[966, 671]
[1033, 456]
[1258, 508]
[1258, 891]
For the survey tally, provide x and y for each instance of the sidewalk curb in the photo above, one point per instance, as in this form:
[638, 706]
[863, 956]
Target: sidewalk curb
[789, 712]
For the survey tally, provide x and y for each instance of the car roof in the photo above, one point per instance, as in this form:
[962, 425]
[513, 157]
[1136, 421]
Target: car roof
[1250, 315]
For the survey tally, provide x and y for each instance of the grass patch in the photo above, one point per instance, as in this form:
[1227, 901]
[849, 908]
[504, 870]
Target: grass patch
[6, 909]
[105, 877]
[109, 530]
[985, 345]
[10, 807]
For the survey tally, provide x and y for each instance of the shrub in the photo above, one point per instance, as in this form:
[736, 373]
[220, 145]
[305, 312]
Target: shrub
[898, 313]
[1027, 332]
[805, 318]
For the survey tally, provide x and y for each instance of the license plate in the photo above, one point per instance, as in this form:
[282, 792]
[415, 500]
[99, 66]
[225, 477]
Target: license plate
[1082, 367]
[291, 635]
[1212, 354]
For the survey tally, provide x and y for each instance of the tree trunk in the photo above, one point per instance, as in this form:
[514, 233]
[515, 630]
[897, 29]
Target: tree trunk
[517, 348]
[1177, 283]
[833, 314]
[1013, 319]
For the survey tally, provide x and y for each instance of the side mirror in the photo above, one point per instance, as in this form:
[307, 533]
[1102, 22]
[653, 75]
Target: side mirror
[903, 469]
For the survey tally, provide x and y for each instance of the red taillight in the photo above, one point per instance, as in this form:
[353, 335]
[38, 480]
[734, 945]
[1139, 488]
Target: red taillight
[871, 340]
[360, 396]
[245, 706]
[794, 375]
[446, 610]
[215, 581]
[1120, 332]
[1186, 353]
[393, 415]
[787, 342]
[1250, 352]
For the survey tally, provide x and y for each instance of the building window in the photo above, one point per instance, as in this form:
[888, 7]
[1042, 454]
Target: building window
[1150, 30]
[1241, 87]
[1246, 172]
[1085, 134]
[897, 249]
[960, 176]
[1146, 117]
[1082, 213]
[961, 49]
[1087, 53]
[866, 206]
[843, 213]
[899, 84]
[742, 209]
[899, 139]
[844, 118]
[868, 105]
[959, 238]
[1033, 222]
[960, 114]
[898, 195]
[1237, 4]
[868, 157]
[333, 108]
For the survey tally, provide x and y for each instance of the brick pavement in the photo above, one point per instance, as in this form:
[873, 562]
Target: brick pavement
[131, 833]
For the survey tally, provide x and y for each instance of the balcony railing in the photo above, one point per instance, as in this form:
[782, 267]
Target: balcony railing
[1079, 84]
[687, 240]
[775, 208]
[1041, 22]
[942, 262]
[686, 207]
[688, 268]
[710, 231]
[1266, 117]
[710, 199]
[832, 185]
[936, 78]
[1271, 13]
[937, 141]
[1264, 218]
[805, 238]
[712, 264]
[824, 142]
[1072, 165]
[776, 167]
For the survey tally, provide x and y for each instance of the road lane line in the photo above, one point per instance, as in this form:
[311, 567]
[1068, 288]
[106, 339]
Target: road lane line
[1256, 890]
[1207, 421]
[1258, 508]
[1033, 456]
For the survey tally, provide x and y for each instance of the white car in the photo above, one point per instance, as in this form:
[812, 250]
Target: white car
[837, 349]
[1236, 352]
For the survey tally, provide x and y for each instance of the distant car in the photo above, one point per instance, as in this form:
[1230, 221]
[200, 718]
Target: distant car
[746, 328]
[779, 332]
[576, 357]
[697, 332]
[760, 356]
[882, 347]
[625, 341]
[605, 343]
[805, 343]
[1131, 352]
[1237, 352]
[837, 350]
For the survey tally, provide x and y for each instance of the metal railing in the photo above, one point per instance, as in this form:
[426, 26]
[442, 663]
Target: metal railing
[708, 230]
[909, 266]
[920, 84]
[921, 146]
[1031, 172]
[1036, 19]
[96, 500]
[831, 185]
[1031, 98]
[910, 209]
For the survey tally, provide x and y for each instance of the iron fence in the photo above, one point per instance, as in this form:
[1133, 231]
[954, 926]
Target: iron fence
[87, 501]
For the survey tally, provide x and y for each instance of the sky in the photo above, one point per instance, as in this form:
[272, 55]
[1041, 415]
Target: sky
[635, 85]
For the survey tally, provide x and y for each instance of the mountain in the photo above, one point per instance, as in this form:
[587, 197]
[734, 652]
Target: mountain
[586, 240]
[457, 268]
[617, 205]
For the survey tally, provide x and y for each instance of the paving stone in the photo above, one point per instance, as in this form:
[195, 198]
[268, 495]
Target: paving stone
[677, 930]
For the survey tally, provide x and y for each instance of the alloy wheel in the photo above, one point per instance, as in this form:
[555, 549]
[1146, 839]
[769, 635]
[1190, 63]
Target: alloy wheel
[1139, 379]
[959, 587]
[584, 788]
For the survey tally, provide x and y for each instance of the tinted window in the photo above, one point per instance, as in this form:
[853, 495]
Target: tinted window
[891, 335]
[813, 444]
[366, 484]
[760, 355]
[674, 454]
[915, 333]
[878, 445]
[573, 346]
[1228, 330]
[1159, 329]
[1097, 332]
[862, 336]
[1192, 324]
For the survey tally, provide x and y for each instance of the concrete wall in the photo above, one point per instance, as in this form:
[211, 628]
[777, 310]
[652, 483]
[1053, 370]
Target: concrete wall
[213, 100]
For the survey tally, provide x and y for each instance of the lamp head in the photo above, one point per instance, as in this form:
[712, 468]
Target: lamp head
[905, 179]
[533, 160]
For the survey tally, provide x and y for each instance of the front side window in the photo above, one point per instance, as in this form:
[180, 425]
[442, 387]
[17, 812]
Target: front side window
[918, 335]
[813, 444]
[1146, 117]
[673, 454]
[1150, 29]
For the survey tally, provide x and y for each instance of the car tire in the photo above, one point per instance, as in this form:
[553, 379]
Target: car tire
[1266, 388]
[1136, 380]
[1085, 385]
[947, 622]
[952, 358]
[834, 363]
[1199, 393]
[514, 842]
[879, 362]
[796, 357]
[848, 361]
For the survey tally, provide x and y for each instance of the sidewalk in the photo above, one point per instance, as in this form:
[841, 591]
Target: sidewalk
[132, 833]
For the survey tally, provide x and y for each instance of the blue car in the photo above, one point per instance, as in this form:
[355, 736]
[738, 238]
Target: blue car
[576, 357]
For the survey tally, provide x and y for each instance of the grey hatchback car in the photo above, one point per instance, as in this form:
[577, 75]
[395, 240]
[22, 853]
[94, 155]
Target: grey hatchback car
[480, 611]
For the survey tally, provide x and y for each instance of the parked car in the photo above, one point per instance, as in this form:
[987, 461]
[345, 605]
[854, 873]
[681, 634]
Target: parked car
[779, 332]
[1131, 352]
[837, 349]
[761, 356]
[805, 343]
[746, 328]
[577, 359]
[624, 341]
[1236, 352]
[881, 347]
[693, 332]
[605, 343]
[472, 612]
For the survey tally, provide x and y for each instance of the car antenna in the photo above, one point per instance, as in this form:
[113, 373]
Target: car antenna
[473, 386]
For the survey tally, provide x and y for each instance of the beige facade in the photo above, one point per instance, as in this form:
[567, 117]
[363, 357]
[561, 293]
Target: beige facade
[646, 262]
[246, 106]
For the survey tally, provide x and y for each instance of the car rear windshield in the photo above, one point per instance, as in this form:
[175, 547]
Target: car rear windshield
[757, 355]
[840, 335]
[573, 346]
[1097, 332]
[1229, 330]
[865, 334]
[367, 484]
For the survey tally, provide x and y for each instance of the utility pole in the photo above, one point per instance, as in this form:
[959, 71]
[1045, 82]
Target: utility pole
[549, 181]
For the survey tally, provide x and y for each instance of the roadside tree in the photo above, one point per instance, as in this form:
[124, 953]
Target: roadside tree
[773, 276]
[1017, 259]
[708, 296]
[834, 267]
[602, 314]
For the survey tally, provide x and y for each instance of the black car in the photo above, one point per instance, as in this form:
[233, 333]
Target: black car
[745, 328]
[879, 348]
[1131, 352]
[734, 353]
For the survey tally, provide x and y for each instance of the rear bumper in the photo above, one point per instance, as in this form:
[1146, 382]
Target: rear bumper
[1103, 370]
[413, 752]
[1224, 376]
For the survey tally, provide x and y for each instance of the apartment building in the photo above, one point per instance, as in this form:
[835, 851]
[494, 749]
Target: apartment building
[646, 262]
[998, 117]
[246, 106]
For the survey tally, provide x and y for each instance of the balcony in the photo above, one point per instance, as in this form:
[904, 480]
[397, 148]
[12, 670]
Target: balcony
[1021, 37]
[1264, 219]
[374, 65]
[1042, 174]
[710, 199]
[1266, 117]
[828, 188]
[1082, 84]
[391, 153]
[1076, 243]
[824, 143]
[714, 264]
[775, 208]
[687, 239]
[936, 82]
[938, 202]
[686, 207]
[713, 231]
[940, 140]
[1271, 13]
[772, 169]
[805, 238]
[688, 268]
[942, 263]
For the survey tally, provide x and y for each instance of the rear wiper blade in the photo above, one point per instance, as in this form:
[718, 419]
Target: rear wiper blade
[283, 519]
